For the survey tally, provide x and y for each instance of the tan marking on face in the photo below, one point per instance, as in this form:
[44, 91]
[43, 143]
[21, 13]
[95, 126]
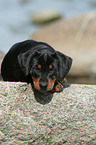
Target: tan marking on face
[36, 83]
[50, 66]
[49, 88]
[50, 84]
[39, 66]
[37, 86]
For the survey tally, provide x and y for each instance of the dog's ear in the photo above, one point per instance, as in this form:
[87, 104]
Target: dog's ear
[25, 60]
[65, 63]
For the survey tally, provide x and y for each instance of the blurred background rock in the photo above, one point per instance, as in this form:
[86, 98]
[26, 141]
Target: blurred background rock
[69, 26]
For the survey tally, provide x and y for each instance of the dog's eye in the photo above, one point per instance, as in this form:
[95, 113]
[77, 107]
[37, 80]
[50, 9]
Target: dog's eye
[50, 67]
[39, 66]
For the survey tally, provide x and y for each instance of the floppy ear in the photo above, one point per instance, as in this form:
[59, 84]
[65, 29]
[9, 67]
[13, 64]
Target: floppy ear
[65, 63]
[25, 60]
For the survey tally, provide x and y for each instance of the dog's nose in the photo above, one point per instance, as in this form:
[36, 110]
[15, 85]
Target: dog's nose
[43, 85]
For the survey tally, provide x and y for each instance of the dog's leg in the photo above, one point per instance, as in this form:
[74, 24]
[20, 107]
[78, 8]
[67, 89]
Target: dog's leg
[60, 85]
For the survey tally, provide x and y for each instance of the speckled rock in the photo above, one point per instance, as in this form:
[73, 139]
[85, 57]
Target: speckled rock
[68, 118]
[75, 37]
[45, 16]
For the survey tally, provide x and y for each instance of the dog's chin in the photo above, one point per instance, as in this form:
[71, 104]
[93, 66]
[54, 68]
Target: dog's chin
[43, 91]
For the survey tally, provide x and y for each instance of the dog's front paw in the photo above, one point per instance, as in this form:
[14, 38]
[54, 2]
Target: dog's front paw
[60, 85]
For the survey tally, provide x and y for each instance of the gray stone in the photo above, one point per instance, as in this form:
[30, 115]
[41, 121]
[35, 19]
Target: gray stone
[68, 118]
[75, 37]
[45, 16]
[2, 137]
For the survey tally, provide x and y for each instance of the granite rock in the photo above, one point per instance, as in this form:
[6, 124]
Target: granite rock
[68, 118]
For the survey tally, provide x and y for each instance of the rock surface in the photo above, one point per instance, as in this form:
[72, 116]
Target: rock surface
[69, 117]
[45, 16]
[1, 58]
[75, 37]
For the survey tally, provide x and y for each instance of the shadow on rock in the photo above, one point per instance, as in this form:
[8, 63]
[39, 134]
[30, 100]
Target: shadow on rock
[45, 98]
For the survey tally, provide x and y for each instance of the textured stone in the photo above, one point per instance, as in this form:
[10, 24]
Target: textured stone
[68, 118]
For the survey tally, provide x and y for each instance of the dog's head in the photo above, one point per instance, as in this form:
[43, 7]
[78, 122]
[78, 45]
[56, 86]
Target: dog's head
[45, 66]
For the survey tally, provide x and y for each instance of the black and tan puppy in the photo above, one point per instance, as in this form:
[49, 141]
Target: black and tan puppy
[37, 63]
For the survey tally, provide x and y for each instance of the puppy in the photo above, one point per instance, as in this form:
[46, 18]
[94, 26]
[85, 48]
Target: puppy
[36, 63]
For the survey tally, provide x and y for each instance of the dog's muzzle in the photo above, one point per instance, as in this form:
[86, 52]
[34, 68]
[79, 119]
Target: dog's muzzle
[43, 86]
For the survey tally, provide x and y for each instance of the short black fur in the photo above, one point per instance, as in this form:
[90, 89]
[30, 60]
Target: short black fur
[25, 56]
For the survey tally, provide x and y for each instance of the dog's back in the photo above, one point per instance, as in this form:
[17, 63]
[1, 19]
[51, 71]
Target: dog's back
[10, 69]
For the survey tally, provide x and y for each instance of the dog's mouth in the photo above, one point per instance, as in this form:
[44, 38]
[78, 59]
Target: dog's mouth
[43, 86]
